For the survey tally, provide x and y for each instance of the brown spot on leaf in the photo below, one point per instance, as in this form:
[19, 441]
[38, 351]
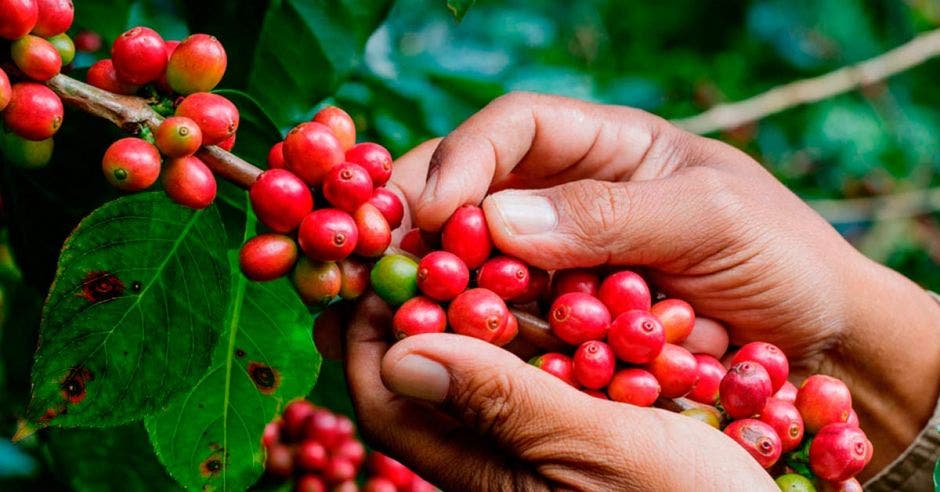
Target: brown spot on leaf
[101, 286]
[239, 353]
[73, 386]
[211, 466]
[264, 377]
[50, 414]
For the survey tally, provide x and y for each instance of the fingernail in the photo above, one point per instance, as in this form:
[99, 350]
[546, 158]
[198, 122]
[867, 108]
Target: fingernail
[419, 377]
[525, 213]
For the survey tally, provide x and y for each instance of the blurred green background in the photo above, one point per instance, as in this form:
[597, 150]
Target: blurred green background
[407, 71]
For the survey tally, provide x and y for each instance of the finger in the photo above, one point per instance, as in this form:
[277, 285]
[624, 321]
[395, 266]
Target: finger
[546, 139]
[410, 172]
[707, 337]
[328, 330]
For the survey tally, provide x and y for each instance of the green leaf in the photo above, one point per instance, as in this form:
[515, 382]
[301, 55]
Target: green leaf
[210, 438]
[106, 17]
[117, 458]
[459, 7]
[137, 305]
[257, 132]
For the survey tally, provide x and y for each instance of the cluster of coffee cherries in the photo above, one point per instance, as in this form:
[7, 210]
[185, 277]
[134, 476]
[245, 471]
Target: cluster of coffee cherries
[320, 158]
[318, 450]
[34, 48]
[186, 69]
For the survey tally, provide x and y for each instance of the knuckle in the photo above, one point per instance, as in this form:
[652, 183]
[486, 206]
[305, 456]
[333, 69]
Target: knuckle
[597, 210]
[514, 98]
[487, 403]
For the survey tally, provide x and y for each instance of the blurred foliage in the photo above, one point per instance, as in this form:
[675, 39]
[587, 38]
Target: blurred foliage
[408, 71]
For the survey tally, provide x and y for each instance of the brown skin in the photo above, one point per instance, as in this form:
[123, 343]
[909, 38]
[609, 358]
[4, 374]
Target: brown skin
[710, 225]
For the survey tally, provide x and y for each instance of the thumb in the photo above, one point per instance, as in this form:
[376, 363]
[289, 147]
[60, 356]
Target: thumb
[592, 222]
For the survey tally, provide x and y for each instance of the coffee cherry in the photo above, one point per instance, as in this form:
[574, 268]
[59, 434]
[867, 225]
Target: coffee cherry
[28, 154]
[327, 234]
[508, 333]
[559, 365]
[786, 421]
[267, 256]
[6, 90]
[537, 288]
[196, 65]
[677, 318]
[355, 278]
[769, 356]
[478, 313]
[346, 430]
[624, 291]
[323, 426]
[709, 373]
[279, 461]
[271, 434]
[744, 390]
[576, 318]
[216, 116]
[338, 471]
[636, 336]
[280, 200]
[64, 45]
[310, 483]
[55, 17]
[787, 392]
[421, 485]
[390, 205]
[162, 84]
[442, 275]
[36, 58]
[178, 136]
[823, 400]
[131, 164]
[311, 151]
[346, 486]
[383, 466]
[852, 419]
[594, 364]
[340, 123]
[575, 280]
[595, 393]
[350, 449]
[103, 76]
[311, 456]
[17, 18]
[418, 242]
[379, 484]
[792, 482]
[228, 143]
[706, 415]
[850, 485]
[839, 452]
[374, 158]
[394, 279]
[87, 41]
[757, 438]
[317, 282]
[418, 315]
[276, 156]
[466, 235]
[374, 233]
[506, 276]
[294, 419]
[34, 111]
[347, 186]
[675, 369]
[634, 386]
[189, 182]
[139, 56]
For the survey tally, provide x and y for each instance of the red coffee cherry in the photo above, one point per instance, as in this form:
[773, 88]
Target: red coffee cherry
[576, 318]
[787, 392]
[178, 136]
[418, 315]
[574, 280]
[328, 234]
[347, 186]
[850, 485]
[745, 389]
[383, 466]
[294, 419]
[323, 426]
[559, 365]
[279, 461]
[340, 123]
[374, 158]
[169, 47]
[350, 449]
[823, 400]
[839, 452]
[196, 65]
[786, 422]
[189, 182]
[87, 41]
[228, 143]
[131, 164]
[374, 233]
[6, 90]
[34, 111]
[280, 200]
[853, 418]
[594, 364]
[709, 373]
[757, 438]
[103, 76]
[634, 386]
[339, 471]
[64, 45]
[770, 357]
[139, 56]
[624, 291]
[416, 242]
[216, 116]
[17, 18]
[267, 256]
[537, 288]
[55, 17]
[478, 313]
[677, 318]
[675, 369]
[355, 278]
[276, 156]
[442, 275]
[379, 484]
[506, 276]
[37, 58]
[318, 283]
[311, 456]
[595, 393]
[390, 205]
[466, 235]
[311, 151]
[636, 336]
[271, 434]
[508, 333]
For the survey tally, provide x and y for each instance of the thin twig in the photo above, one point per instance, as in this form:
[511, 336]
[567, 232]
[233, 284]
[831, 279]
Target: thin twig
[733, 115]
[885, 207]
